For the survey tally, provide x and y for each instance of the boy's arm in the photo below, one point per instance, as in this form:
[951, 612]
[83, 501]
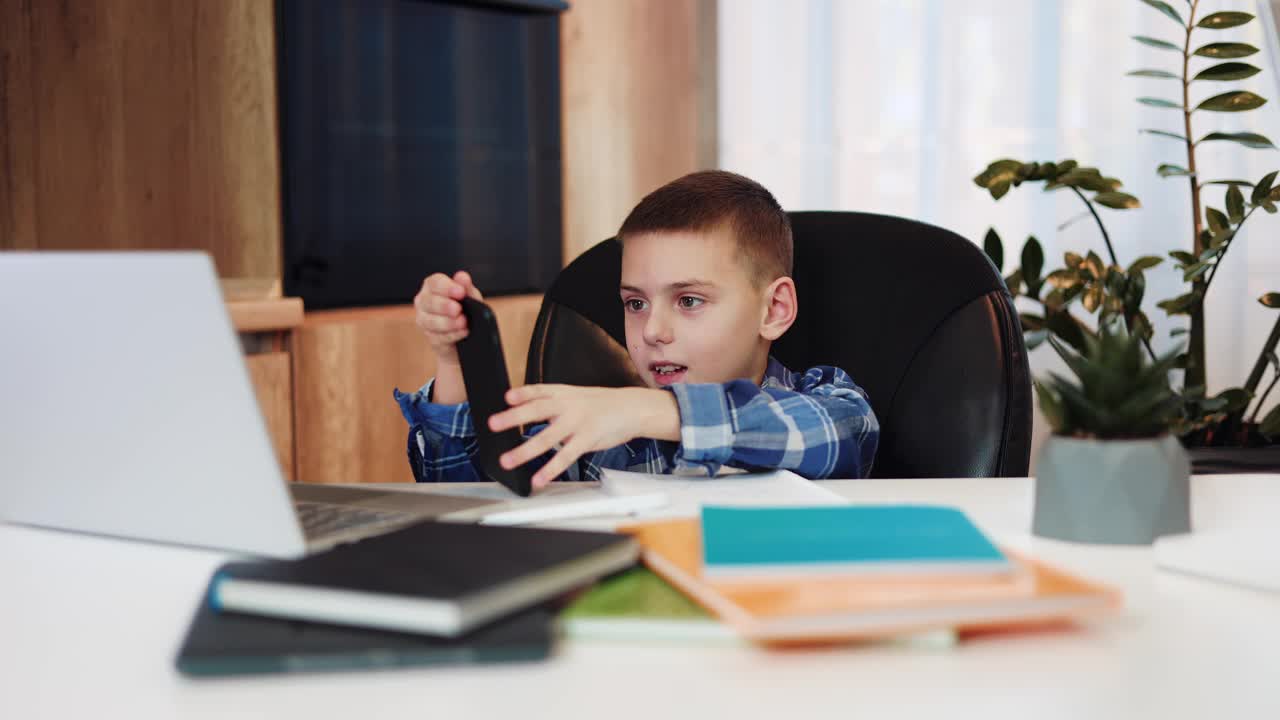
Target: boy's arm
[824, 428]
[442, 439]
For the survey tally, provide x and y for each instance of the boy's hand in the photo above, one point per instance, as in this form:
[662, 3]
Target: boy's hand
[583, 419]
[439, 314]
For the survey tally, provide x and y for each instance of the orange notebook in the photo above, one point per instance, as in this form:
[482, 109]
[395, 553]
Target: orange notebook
[832, 610]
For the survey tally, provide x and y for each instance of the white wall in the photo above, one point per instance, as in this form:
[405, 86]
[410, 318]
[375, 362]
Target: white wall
[894, 105]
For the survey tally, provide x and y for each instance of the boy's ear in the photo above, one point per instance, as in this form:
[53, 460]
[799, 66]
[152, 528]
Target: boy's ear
[780, 308]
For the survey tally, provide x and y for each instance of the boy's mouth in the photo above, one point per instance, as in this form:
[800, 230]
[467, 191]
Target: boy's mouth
[667, 373]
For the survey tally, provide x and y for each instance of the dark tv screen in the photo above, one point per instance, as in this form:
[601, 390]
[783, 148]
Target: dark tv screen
[418, 136]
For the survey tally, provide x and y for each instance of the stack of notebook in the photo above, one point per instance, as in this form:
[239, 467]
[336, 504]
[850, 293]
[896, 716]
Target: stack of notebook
[828, 574]
[429, 593]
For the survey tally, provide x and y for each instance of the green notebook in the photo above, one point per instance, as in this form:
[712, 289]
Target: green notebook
[638, 605]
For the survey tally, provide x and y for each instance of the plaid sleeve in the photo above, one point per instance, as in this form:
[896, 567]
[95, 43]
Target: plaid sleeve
[442, 442]
[823, 428]
[442, 439]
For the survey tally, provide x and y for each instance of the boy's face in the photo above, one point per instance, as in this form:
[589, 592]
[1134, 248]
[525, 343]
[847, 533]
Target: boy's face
[692, 312]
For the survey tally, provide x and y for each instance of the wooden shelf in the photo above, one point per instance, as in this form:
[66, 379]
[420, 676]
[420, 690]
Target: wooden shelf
[279, 314]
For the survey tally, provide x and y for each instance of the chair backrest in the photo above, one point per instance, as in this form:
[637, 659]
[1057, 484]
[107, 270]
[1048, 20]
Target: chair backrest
[916, 314]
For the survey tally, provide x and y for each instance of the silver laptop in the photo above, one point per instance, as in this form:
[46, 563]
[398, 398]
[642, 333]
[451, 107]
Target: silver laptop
[126, 410]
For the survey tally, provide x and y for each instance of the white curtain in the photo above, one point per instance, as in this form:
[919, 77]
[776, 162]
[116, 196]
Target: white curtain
[892, 106]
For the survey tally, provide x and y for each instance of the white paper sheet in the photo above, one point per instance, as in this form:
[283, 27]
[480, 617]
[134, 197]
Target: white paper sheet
[686, 495]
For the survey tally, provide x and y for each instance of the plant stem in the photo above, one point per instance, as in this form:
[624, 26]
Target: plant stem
[1255, 376]
[1195, 372]
[1214, 271]
[1265, 393]
[1105, 237]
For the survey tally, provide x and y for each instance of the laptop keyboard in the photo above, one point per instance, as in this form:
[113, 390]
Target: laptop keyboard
[320, 519]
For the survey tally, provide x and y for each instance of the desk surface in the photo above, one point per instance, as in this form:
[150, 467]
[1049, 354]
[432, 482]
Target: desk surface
[89, 628]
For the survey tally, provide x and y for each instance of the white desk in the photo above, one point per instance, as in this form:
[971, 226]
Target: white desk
[89, 628]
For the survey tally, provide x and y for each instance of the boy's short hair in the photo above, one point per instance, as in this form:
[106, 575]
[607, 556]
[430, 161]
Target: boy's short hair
[706, 200]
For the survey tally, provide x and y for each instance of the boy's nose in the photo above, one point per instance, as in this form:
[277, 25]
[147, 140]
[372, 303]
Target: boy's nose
[656, 329]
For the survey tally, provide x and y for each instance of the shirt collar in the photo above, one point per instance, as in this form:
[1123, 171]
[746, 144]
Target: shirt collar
[776, 375]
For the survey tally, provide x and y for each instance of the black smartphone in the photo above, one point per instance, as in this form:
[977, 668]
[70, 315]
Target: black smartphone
[484, 373]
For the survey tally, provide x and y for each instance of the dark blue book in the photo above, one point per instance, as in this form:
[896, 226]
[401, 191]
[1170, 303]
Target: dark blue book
[223, 643]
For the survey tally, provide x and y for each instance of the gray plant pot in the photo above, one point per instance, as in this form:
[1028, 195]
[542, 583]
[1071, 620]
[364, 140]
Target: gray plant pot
[1120, 492]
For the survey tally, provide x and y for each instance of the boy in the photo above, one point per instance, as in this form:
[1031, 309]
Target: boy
[706, 289]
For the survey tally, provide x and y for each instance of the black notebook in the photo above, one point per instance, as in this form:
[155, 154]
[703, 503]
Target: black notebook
[432, 578]
[224, 643]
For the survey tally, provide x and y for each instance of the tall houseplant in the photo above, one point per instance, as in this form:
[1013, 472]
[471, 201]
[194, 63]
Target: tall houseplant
[1232, 416]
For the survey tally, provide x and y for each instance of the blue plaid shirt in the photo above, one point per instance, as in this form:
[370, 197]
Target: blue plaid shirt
[817, 423]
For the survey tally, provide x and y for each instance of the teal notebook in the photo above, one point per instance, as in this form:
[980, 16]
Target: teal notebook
[845, 540]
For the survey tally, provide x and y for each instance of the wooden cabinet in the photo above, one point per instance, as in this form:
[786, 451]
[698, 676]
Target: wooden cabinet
[346, 364]
[267, 327]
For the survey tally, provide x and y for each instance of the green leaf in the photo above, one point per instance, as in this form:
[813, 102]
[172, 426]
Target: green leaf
[1270, 425]
[1236, 399]
[1117, 200]
[994, 248]
[1234, 101]
[1146, 262]
[1063, 279]
[1182, 256]
[1160, 103]
[1064, 326]
[1180, 305]
[1246, 183]
[1032, 262]
[1235, 204]
[1168, 170]
[1212, 252]
[1227, 71]
[1030, 322]
[1271, 300]
[1001, 171]
[1218, 222]
[1051, 408]
[1163, 133]
[1156, 43]
[1094, 264]
[1196, 270]
[1153, 74]
[1168, 10]
[1000, 188]
[1072, 260]
[1263, 188]
[1034, 338]
[1013, 281]
[1177, 331]
[1253, 140]
[1223, 20]
[1092, 298]
[1224, 51]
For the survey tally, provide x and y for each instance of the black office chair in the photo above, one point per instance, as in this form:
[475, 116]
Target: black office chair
[916, 314]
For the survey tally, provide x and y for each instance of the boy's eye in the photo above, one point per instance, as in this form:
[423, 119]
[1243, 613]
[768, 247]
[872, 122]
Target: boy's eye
[634, 304]
[688, 302]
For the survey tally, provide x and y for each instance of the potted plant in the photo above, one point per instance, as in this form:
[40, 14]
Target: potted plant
[1111, 472]
[1231, 417]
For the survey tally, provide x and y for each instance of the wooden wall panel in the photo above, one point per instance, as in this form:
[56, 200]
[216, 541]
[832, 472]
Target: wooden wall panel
[348, 427]
[639, 106]
[271, 375]
[141, 124]
[17, 122]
